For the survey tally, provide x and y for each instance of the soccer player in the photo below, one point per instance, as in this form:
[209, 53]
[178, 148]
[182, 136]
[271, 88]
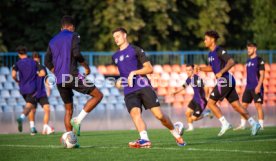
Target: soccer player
[62, 56]
[198, 103]
[28, 71]
[42, 99]
[220, 63]
[254, 84]
[133, 66]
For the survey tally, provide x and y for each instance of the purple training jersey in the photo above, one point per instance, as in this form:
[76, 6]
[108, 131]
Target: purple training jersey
[130, 59]
[218, 59]
[199, 94]
[253, 68]
[41, 91]
[27, 69]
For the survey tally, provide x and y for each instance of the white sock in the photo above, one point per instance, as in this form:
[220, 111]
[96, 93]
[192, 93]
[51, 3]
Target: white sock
[144, 135]
[251, 121]
[45, 126]
[223, 121]
[243, 122]
[175, 133]
[22, 116]
[81, 116]
[32, 124]
[261, 122]
[190, 126]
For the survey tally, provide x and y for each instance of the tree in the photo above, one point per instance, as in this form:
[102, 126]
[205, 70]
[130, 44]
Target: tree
[264, 23]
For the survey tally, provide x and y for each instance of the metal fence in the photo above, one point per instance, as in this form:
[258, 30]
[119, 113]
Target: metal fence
[156, 57]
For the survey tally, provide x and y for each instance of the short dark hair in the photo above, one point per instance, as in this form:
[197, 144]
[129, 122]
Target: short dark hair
[213, 34]
[251, 44]
[21, 50]
[119, 29]
[67, 20]
[190, 65]
[36, 55]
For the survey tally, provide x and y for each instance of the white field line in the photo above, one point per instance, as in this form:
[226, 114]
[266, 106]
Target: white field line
[154, 148]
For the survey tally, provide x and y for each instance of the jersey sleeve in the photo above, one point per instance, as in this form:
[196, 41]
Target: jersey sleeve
[261, 64]
[15, 67]
[223, 55]
[76, 48]
[48, 61]
[141, 55]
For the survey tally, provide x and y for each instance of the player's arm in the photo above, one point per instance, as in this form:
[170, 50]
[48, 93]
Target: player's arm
[40, 72]
[146, 69]
[262, 75]
[14, 73]
[47, 86]
[180, 90]
[206, 69]
[48, 61]
[229, 62]
[77, 54]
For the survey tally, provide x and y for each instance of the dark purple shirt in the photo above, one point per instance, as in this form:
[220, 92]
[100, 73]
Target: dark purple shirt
[130, 59]
[197, 83]
[253, 68]
[63, 54]
[27, 69]
[41, 91]
[218, 59]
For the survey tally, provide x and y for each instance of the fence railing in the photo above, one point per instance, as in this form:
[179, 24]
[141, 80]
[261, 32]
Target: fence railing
[156, 57]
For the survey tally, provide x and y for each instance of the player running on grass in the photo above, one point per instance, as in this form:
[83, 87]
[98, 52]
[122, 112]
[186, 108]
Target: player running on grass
[198, 103]
[133, 66]
[42, 99]
[254, 84]
[63, 55]
[220, 63]
[28, 71]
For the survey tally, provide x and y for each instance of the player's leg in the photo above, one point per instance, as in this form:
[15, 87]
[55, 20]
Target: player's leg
[233, 99]
[150, 101]
[68, 116]
[88, 107]
[46, 108]
[166, 121]
[133, 104]
[217, 94]
[246, 100]
[188, 114]
[30, 104]
[260, 114]
[67, 97]
[258, 99]
[31, 117]
[242, 125]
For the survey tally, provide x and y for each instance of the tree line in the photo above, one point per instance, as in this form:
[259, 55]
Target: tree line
[155, 25]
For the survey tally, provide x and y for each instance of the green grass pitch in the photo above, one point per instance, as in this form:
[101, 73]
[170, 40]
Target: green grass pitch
[203, 144]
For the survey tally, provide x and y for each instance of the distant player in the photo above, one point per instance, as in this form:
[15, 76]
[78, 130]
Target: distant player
[133, 66]
[28, 71]
[254, 84]
[42, 99]
[198, 103]
[220, 63]
[63, 55]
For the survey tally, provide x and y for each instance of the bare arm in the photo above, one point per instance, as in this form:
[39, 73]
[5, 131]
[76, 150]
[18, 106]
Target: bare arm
[86, 67]
[147, 69]
[14, 76]
[230, 63]
[206, 69]
[260, 82]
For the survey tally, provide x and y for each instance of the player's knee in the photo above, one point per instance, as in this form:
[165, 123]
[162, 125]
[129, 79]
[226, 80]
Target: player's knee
[160, 117]
[46, 108]
[188, 114]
